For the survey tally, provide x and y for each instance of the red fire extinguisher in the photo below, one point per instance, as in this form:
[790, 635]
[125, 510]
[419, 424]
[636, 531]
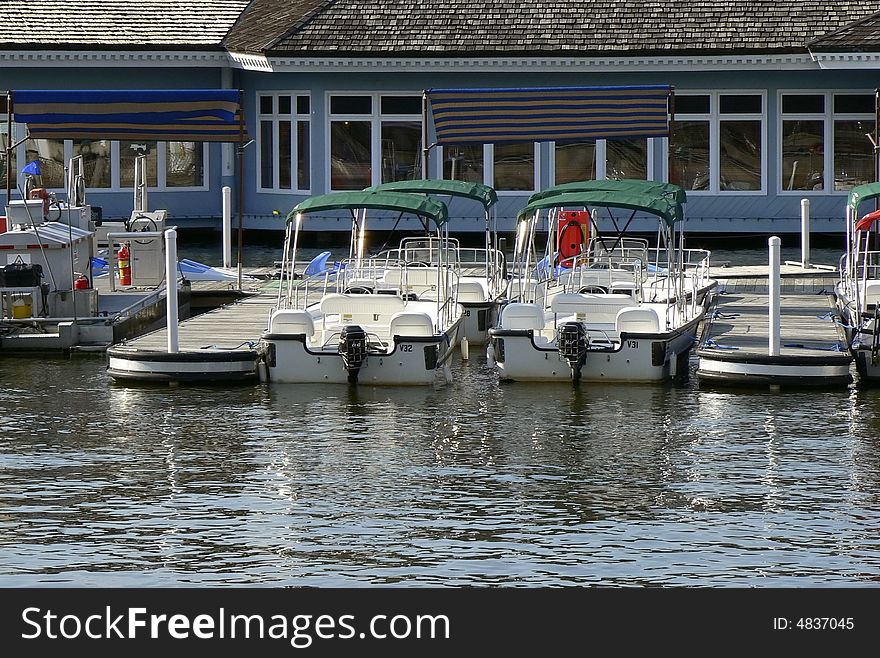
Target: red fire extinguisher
[124, 257]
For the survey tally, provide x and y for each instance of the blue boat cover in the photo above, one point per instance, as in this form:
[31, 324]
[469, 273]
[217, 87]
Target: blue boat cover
[549, 113]
[185, 115]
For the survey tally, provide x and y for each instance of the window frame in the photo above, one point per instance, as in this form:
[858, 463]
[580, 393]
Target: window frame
[295, 118]
[375, 118]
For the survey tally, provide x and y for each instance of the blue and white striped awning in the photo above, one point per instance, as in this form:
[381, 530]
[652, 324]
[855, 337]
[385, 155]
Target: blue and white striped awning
[549, 113]
[186, 115]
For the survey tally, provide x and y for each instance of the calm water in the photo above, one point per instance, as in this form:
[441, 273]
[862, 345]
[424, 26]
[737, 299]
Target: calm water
[468, 483]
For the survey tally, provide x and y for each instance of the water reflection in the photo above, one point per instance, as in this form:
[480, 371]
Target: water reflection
[468, 482]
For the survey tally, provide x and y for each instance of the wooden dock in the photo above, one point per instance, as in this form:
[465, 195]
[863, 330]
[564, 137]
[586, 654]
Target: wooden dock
[734, 347]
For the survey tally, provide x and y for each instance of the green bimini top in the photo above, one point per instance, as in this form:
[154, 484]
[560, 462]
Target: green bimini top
[458, 188]
[862, 193]
[649, 187]
[667, 210]
[356, 200]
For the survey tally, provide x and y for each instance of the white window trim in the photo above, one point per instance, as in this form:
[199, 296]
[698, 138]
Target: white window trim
[715, 117]
[829, 117]
[375, 119]
[115, 185]
[295, 118]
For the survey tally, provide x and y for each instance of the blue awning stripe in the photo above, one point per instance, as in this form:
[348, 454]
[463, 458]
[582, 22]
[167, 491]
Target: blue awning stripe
[544, 114]
[180, 115]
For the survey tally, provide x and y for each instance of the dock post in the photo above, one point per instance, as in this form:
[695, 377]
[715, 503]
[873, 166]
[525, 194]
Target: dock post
[227, 226]
[805, 233]
[171, 290]
[773, 290]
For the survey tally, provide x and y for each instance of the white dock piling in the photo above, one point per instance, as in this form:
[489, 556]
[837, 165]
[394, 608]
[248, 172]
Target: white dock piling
[773, 288]
[805, 233]
[465, 351]
[171, 290]
[227, 226]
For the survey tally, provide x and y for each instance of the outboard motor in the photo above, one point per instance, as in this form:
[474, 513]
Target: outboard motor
[353, 350]
[573, 344]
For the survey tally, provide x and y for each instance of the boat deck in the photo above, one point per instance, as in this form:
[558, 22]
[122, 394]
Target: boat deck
[734, 348]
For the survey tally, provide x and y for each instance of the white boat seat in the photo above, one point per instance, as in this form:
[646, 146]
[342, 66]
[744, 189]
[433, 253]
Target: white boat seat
[292, 322]
[362, 309]
[871, 292]
[592, 309]
[637, 319]
[472, 291]
[522, 316]
[415, 278]
[412, 323]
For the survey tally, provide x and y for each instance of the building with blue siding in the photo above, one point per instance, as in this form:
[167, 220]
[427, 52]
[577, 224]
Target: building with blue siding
[774, 101]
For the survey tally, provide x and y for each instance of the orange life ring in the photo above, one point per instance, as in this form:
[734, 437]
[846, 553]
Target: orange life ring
[573, 231]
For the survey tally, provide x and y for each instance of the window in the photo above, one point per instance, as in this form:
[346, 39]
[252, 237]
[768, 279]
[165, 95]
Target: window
[716, 142]
[690, 161]
[4, 143]
[463, 162]
[853, 153]
[374, 138]
[97, 158]
[740, 139]
[50, 154]
[575, 162]
[284, 152]
[184, 164]
[626, 158]
[514, 166]
[825, 132]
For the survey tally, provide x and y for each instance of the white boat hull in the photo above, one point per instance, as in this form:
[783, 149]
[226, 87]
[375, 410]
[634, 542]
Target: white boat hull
[477, 319]
[413, 361]
[637, 358]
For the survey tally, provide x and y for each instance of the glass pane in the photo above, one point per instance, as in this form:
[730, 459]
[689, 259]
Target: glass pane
[626, 158]
[267, 155]
[128, 151]
[401, 105]
[740, 155]
[575, 162]
[692, 104]
[690, 155]
[285, 154]
[284, 105]
[96, 162]
[50, 153]
[302, 104]
[184, 164]
[803, 155]
[350, 166]
[854, 103]
[303, 161]
[514, 166]
[266, 104]
[740, 104]
[12, 167]
[853, 154]
[463, 163]
[803, 104]
[351, 105]
[401, 151]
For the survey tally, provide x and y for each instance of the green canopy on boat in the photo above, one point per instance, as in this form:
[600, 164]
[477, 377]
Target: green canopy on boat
[862, 193]
[649, 187]
[667, 210]
[356, 200]
[457, 188]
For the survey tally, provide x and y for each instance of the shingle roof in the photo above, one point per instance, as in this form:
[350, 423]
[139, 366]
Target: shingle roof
[861, 36]
[116, 23]
[454, 27]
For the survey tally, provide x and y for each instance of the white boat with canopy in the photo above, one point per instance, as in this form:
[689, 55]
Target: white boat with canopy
[598, 306]
[383, 319]
[482, 284]
[858, 289]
